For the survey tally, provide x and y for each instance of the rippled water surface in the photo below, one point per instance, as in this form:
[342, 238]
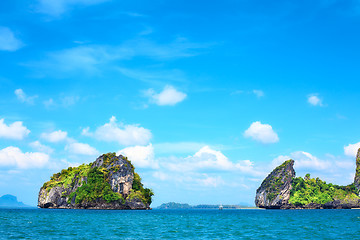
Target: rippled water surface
[179, 224]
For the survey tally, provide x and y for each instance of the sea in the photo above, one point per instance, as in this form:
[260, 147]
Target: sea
[179, 224]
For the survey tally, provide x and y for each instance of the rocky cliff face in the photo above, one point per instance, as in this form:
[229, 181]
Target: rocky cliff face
[274, 191]
[108, 183]
[357, 173]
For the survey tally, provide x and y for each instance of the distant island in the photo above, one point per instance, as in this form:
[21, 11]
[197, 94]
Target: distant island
[173, 205]
[110, 182]
[282, 190]
[10, 201]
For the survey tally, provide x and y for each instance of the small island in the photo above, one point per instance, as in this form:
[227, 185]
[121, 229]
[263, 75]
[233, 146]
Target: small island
[174, 205]
[282, 190]
[10, 201]
[108, 183]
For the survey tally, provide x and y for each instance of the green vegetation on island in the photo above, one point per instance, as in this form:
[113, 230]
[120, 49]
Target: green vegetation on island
[91, 182]
[96, 187]
[310, 190]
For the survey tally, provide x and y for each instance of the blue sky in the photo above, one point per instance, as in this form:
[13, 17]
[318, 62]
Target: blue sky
[204, 97]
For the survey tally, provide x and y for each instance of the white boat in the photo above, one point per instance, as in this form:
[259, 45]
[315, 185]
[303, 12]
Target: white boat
[221, 207]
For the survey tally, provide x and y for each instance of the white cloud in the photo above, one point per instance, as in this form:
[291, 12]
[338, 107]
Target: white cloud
[140, 156]
[81, 149]
[352, 149]
[118, 132]
[208, 159]
[161, 175]
[8, 42]
[58, 7]
[335, 169]
[304, 160]
[56, 136]
[168, 96]
[14, 157]
[21, 96]
[16, 130]
[190, 179]
[41, 147]
[258, 93]
[308, 161]
[154, 76]
[262, 133]
[314, 100]
[93, 59]
[84, 58]
[210, 181]
[178, 147]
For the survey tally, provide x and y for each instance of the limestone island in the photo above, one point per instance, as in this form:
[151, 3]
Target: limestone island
[282, 190]
[108, 183]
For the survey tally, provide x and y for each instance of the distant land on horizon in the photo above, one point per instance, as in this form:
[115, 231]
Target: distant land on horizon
[174, 205]
[10, 201]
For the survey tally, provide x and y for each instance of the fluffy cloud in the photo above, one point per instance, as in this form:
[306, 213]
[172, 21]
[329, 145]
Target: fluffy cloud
[40, 147]
[262, 133]
[8, 42]
[56, 136]
[304, 160]
[191, 179]
[206, 168]
[58, 7]
[118, 132]
[168, 96]
[16, 130]
[335, 169]
[14, 157]
[140, 156]
[23, 97]
[314, 100]
[81, 149]
[178, 147]
[351, 149]
[209, 159]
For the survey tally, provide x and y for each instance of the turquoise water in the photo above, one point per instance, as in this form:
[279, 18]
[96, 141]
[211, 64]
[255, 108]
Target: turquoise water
[179, 224]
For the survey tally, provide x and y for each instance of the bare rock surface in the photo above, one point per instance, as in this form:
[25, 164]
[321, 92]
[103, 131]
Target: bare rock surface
[274, 191]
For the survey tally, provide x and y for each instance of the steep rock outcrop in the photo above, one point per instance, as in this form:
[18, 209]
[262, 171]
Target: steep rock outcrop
[274, 191]
[108, 183]
[357, 173]
[281, 190]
